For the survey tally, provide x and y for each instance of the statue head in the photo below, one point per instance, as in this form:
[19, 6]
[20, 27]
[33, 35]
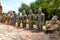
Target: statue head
[24, 12]
[30, 11]
[54, 19]
[40, 10]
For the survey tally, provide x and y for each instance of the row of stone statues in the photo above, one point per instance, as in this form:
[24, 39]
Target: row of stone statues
[11, 19]
[52, 26]
[40, 18]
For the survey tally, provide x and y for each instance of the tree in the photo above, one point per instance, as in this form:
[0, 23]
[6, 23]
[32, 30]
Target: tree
[24, 7]
[49, 7]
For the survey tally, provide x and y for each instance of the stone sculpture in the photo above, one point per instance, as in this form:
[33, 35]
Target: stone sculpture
[40, 19]
[24, 19]
[31, 19]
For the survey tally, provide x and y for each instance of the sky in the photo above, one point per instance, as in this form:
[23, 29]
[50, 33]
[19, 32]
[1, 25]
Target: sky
[13, 5]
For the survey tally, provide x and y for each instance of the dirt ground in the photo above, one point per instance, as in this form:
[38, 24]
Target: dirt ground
[8, 32]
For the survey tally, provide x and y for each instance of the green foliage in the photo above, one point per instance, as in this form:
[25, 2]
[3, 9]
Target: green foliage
[24, 7]
[49, 7]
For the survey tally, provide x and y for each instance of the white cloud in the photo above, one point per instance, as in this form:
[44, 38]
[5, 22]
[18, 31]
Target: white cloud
[6, 8]
[27, 1]
[19, 5]
[24, 1]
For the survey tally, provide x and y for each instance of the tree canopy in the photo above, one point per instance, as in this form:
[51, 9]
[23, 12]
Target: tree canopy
[49, 7]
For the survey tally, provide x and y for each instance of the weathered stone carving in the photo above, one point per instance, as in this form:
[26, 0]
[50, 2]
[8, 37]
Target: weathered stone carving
[19, 20]
[40, 19]
[31, 19]
[24, 19]
[53, 25]
[8, 17]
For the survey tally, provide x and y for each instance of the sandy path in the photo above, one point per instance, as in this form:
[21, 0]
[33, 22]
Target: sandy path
[8, 32]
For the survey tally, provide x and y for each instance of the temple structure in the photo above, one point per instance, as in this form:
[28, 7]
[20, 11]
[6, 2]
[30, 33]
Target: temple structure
[0, 8]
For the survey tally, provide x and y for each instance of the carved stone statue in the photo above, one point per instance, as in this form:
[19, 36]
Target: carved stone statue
[53, 25]
[24, 19]
[40, 19]
[13, 19]
[8, 18]
[5, 18]
[31, 19]
[1, 18]
[0, 12]
[19, 20]
[0, 8]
